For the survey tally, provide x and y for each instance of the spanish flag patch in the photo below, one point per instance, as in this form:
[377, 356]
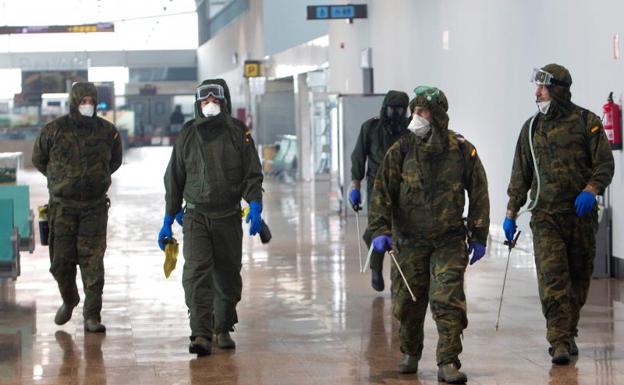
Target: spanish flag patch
[594, 129]
[473, 153]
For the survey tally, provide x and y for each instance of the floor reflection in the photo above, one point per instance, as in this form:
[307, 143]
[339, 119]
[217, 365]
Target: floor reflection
[307, 315]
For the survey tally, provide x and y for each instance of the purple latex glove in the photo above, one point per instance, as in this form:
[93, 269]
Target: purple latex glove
[355, 198]
[477, 250]
[382, 243]
[584, 203]
[165, 231]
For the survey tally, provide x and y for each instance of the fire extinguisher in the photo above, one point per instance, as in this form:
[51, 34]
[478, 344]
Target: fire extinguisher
[612, 122]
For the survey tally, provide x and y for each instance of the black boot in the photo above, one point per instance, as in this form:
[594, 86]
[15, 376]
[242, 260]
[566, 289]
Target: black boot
[560, 355]
[377, 281]
[409, 364]
[450, 374]
[94, 326]
[573, 347]
[225, 341]
[64, 313]
[200, 346]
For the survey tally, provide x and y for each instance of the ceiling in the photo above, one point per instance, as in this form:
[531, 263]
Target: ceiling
[46, 12]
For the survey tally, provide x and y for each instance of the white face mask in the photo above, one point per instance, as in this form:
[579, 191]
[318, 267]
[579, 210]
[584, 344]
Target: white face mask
[211, 109]
[86, 110]
[418, 122]
[543, 107]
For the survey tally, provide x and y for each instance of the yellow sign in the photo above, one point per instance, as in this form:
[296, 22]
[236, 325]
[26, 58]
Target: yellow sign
[252, 69]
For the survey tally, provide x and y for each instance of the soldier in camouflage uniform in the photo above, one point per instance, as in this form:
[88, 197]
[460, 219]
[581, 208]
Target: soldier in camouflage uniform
[575, 164]
[77, 153]
[376, 136]
[214, 164]
[417, 206]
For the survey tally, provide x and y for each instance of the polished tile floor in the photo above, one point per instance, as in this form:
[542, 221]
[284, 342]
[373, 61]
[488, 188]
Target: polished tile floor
[307, 315]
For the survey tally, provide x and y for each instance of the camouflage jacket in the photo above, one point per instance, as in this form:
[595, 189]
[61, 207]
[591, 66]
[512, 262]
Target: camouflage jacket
[419, 194]
[78, 156]
[572, 152]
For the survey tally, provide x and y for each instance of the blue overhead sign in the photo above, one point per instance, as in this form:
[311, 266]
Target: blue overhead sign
[331, 12]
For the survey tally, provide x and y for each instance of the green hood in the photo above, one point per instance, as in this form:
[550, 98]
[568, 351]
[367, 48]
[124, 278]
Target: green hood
[560, 94]
[226, 91]
[79, 91]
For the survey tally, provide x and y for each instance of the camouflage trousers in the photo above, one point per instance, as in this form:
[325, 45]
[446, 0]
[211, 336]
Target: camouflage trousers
[435, 271]
[78, 237]
[211, 276]
[565, 246]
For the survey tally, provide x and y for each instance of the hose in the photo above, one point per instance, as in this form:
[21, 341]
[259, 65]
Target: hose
[533, 204]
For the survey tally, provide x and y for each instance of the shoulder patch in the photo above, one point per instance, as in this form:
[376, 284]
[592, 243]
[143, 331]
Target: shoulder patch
[460, 138]
[116, 135]
[473, 153]
[248, 136]
[594, 129]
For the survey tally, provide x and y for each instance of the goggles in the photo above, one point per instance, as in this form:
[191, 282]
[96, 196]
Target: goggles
[206, 90]
[429, 93]
[543, 78]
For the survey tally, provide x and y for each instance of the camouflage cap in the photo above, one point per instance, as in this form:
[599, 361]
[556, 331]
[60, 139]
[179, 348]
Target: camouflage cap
[560, 90]
[435, 100]
[78, 91]
[431, 97]
[560, 73]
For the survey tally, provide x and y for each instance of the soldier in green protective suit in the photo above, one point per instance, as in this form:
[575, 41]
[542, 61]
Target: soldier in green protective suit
[376, 136]
[214, 164]
[77, 153]
[416, 210]
[575, 164]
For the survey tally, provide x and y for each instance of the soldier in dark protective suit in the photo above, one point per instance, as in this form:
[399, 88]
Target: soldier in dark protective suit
[376, 136]
[214, 164]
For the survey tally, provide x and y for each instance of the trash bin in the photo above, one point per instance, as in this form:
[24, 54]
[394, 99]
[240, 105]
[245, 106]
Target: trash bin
[10, 162]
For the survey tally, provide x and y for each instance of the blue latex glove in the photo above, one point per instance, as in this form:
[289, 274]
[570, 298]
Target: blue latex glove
[584, 203]
[477, 250]
[180, 217]
[165, 231]
[509, 226]
[382, 243]
[255, 208]
[355, 198]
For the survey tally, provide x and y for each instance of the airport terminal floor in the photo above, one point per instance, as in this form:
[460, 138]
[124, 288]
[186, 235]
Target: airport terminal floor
[307, 316]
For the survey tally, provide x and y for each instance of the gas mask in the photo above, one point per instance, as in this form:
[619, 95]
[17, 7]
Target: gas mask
[395, 114]
[86, 110]
[211, 109]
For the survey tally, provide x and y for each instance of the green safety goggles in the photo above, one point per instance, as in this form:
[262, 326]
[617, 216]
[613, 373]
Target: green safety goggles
[430, 94]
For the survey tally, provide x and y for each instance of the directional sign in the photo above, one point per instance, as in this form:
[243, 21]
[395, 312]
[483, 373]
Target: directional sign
[253, 68]
[332, 12]
[81, 28]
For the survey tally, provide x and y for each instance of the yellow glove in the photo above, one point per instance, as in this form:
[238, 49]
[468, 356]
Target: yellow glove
[43, 212]
[171, 256]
